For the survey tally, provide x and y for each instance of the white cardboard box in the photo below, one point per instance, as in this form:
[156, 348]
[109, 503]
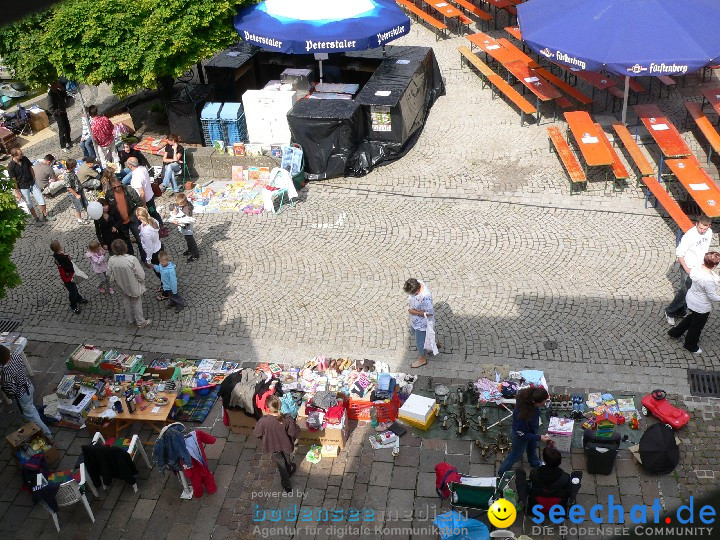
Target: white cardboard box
[560, 431]
[417, 408]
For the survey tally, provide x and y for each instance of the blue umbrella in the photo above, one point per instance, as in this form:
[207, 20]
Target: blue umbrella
[627, 37]
[321, 26]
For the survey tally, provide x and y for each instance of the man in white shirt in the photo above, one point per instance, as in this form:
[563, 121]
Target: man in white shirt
[141, 182]
[690, 254]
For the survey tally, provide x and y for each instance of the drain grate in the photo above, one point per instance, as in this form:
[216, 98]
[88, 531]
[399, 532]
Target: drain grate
[9, 325]
[704, 383]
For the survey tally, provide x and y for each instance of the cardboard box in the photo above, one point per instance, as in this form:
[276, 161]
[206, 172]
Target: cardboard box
[417, 408]
[241, 423]
[327, 436]
[25, 434]
[330, 451]
[560, 431]
[76, 410]
[166, 374]
[421, 425]
[125, 119]
[38, 120]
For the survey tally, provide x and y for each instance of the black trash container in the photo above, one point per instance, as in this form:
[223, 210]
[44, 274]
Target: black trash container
[600, 452]
[183, 110]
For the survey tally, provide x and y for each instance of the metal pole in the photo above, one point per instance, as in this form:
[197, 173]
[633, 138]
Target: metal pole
[321, 75]
[87, 119]
[625, 97]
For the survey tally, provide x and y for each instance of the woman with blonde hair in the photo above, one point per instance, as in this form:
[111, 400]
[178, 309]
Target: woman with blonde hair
[149, 237]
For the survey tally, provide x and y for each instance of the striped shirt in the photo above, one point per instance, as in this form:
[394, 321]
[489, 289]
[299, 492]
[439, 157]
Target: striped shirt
[14, 377]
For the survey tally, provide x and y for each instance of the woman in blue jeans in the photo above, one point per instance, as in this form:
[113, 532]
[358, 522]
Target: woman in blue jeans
[173, 162]
[420, 305]
[525, 427]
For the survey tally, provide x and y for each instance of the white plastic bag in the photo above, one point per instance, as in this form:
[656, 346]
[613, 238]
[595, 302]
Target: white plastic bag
[430, 343]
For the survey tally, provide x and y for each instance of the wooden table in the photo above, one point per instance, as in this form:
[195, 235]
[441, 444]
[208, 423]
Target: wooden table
[447, 10]
[588, 139]
[698, 184]
[492, 48]
[500, 4]
[543, 90]
[515, 32]
[712, 96]
[157, 419]
[665, 134]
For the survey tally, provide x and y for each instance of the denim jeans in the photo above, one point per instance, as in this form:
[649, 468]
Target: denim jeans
[169, 176]
[125, 175]
[520, 446]
[420, 341]
[32, 193]
[31, 414]
[88, 148]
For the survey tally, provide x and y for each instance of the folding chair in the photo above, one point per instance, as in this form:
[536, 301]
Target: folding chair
[530, 496]
[132, 446]
[71, 490]
[280, 192]
[478, 497]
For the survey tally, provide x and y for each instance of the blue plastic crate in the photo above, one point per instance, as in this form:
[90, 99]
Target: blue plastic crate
[232, 118]
[209, 120]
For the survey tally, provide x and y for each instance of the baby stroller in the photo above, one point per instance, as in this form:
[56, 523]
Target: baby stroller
[17, 122]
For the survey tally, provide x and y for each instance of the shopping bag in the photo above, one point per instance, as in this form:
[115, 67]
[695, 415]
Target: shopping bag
[430, 342]
[79, 273]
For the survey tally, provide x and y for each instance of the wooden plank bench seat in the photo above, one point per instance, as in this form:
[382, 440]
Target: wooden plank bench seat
[568, 159]
[498, 83]
[481, 14]
[703, 123]
[419, 13]
[618, 169]
[642, 163]
[667, 202]
[569, 89]
[666, 82]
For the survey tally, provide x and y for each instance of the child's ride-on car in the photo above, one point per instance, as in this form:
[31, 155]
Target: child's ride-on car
[656, 404]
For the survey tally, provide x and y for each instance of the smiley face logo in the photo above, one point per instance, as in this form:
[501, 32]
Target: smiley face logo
[502, 513]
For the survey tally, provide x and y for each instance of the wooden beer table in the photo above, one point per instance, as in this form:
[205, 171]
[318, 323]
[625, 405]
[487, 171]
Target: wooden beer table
[149, 413]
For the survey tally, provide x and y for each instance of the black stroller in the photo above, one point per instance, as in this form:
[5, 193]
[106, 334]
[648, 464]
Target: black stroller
[17, 122]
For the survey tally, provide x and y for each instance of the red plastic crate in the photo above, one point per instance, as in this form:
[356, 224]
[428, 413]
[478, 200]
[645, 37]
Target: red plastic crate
[386, 411]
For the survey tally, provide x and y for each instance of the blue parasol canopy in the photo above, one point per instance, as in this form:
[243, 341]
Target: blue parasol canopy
[627, 37]
[321, 26]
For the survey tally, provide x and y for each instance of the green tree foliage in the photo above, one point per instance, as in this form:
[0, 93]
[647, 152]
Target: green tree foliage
[128, 43]
[12, 223]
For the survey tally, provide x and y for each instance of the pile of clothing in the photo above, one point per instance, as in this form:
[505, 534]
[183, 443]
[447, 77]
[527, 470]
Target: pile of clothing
[248, 389]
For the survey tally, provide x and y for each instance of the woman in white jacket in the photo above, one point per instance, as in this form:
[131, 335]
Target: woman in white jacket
[699, 299]
[149, 238]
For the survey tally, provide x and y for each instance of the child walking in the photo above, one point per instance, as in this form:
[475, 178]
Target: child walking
[185, 221]
[166, 269]
[75, 192]
[98, 260]
[278, 433]
[67, 275]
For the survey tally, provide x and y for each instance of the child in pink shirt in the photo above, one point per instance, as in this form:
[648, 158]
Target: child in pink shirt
[99, 261]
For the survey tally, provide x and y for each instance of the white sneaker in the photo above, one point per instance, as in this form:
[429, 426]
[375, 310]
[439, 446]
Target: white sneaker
[698, 352]
[670, 320]
[144, 323]
[81, 222]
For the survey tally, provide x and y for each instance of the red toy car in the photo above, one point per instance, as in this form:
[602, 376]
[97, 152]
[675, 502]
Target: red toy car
[656, 404]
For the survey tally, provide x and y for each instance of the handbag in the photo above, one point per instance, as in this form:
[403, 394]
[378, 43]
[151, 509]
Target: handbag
[79, 273]
[163, 232]
[430, 343]
[157, 192]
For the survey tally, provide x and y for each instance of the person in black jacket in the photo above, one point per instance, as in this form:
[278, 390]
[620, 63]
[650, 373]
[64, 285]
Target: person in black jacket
[58, 108]
[109, 227]
[549, 478]
[125, 174]
[125, 200]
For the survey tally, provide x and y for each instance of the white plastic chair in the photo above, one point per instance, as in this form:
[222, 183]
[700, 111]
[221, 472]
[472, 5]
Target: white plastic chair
[134, 449]
[69, 493]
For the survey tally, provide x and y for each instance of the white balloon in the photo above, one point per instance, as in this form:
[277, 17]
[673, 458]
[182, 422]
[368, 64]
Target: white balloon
[94, 210]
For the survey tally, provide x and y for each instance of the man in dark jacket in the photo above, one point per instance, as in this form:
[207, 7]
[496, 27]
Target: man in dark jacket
[125, 200]
[58, 108]
[549, 479]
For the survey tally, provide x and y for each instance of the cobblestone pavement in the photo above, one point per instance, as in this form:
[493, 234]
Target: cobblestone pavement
[522, 274]
[399, 493]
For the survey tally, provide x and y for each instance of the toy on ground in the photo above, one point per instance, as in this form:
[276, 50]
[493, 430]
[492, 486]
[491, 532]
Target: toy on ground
[634, 422]
[656, 404]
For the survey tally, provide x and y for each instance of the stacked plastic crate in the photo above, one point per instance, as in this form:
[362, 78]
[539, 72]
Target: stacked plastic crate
[232, 118]
[209, 119]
